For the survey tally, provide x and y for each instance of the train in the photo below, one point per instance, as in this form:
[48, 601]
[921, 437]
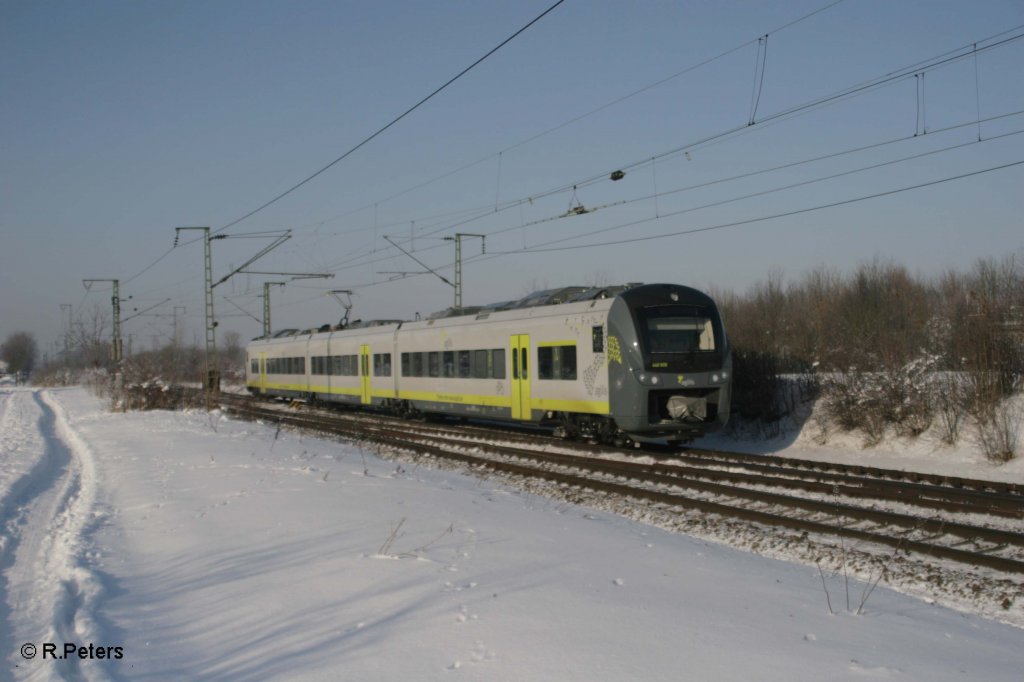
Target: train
[621, 365]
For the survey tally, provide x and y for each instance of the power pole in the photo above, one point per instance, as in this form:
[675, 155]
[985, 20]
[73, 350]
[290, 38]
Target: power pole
[266, 288]
[458, 261]
[212, 370]
[116, 301]
[212, 366]
[266, 306]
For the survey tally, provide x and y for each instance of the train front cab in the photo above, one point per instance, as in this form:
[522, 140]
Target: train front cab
[668, 362]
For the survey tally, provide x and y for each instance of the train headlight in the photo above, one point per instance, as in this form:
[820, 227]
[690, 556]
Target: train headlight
[714, 378]
[643, 378]
[654, 380]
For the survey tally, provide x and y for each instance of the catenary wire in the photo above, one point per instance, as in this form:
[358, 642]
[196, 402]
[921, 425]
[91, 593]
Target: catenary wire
[395, 120]
[720, 226]
[890, 77]
[717, 181]
[580, 117]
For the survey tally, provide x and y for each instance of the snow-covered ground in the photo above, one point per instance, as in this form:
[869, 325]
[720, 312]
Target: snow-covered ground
[810, 436]
[193, 546]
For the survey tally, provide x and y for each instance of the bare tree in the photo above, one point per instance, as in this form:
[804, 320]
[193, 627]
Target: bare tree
[232, 358]
[19, 352]
[90, 336]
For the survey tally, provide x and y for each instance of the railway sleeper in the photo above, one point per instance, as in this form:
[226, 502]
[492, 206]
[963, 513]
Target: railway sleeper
[990, 550]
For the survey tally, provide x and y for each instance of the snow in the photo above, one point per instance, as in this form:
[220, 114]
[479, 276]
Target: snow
[810, 437]
[210, 548]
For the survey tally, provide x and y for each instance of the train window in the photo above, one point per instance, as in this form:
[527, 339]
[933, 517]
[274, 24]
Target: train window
[598, 336]
[418, 365]
[255, 366]
[407, 369]
[556, 362]
[497, 357]
[677, 329]
[568, 366]
[465, 364]
[545, 362]
[434, 364]
[448, 363]
[480, 364]
[382, 364]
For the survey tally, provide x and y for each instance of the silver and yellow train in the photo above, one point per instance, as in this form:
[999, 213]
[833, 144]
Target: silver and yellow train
[618, 364]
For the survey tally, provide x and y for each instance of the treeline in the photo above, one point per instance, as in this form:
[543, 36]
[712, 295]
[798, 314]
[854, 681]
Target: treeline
[885, 349]
[87, 356]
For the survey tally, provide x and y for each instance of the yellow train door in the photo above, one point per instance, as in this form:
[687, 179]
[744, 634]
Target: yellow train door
[519, 345]
[364, 373]
[263, 372]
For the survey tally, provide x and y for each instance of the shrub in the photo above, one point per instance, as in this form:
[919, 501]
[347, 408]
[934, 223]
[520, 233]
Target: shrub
[999, 431]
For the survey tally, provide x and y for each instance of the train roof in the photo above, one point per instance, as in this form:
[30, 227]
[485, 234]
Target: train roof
[537, 299]
[573, 294]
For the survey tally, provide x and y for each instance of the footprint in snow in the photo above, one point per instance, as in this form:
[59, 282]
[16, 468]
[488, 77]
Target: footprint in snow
[465, 615]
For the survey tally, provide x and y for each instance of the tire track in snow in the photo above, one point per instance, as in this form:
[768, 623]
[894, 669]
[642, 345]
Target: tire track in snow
[24, 461]
[50, 591]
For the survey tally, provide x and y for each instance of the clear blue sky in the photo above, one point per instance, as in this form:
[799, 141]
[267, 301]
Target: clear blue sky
[122, 120]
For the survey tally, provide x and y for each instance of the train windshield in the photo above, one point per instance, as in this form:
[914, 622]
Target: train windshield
[677, 329]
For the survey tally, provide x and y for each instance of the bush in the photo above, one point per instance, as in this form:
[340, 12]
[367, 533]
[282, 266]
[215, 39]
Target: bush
[873, 401]
[950, 398]
[999, 431]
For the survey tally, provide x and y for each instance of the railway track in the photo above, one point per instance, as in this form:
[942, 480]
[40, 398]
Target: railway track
[971, 522]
